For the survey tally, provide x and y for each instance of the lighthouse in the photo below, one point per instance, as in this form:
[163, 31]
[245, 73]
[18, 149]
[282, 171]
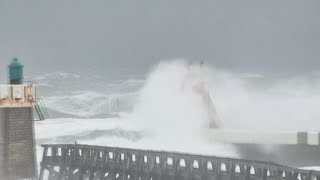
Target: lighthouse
[17, 139]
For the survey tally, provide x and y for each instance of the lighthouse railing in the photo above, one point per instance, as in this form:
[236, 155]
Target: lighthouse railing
[17, 95]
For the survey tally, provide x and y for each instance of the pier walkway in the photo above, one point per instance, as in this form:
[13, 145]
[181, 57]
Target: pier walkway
[74, 161]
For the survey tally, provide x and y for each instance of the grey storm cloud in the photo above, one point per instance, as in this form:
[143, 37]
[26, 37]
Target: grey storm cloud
[77, 35]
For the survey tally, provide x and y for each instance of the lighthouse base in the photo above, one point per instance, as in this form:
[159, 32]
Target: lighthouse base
[17, 144]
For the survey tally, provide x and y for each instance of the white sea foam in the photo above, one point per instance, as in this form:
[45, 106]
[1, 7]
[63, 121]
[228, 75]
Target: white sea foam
[314, 168]
[52, 128]
[55, 75]
[170, 109]
[281, 104]
[167, 115]
[90, 103]
[116, 132]
[242, 100]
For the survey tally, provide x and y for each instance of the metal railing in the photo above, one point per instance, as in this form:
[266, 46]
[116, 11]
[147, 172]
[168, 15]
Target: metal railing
[12, 95]
[98, 162]
[41, 110]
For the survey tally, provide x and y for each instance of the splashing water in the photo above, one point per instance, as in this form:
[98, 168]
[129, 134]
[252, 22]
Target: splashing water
[171, 107]
[169, 113]
[90, 104]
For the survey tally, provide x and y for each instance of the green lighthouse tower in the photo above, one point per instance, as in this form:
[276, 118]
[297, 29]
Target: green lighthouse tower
[17, 140]
[15, 72]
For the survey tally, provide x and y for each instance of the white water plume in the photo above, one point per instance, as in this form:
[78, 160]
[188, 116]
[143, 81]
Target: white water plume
[171, 116]
[265, 103]
[171, 109]
[90, 104]
[242, 100]
[167, 100]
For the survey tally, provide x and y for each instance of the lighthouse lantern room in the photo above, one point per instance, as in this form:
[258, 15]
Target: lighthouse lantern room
[17, 93]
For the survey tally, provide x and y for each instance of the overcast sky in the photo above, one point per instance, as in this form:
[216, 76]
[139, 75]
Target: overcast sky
[76, 35]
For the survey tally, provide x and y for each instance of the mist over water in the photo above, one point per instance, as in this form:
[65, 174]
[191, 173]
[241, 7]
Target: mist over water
[166, 114]
[169, 107]
[168, 98]
[163, 112]
[262, 103]
[90, 61]
[242, 100]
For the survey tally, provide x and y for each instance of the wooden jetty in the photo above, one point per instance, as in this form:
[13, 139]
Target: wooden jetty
[79, 162]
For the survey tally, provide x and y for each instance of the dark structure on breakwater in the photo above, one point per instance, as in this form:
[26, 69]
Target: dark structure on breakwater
[17, 140]
[96, 162]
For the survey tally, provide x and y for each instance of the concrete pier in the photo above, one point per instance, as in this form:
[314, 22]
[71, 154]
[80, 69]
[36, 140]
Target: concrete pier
[233, 136]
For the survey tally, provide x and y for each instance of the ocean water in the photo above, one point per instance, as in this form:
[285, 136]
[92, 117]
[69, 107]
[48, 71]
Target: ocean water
[160, 109]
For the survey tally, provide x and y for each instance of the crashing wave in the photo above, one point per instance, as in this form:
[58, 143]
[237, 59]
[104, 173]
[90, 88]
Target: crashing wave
[91, 104]
[56, 75]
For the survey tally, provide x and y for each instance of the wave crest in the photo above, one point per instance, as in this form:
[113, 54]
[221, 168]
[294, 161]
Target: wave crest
[91, 104]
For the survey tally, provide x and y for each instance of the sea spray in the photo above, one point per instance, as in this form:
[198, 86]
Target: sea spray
[168, 114]
[242, 100]
[170, 108]
[266, 103]
[90, 104]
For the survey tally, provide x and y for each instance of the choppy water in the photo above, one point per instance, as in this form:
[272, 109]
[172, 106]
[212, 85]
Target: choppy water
[153, 111]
